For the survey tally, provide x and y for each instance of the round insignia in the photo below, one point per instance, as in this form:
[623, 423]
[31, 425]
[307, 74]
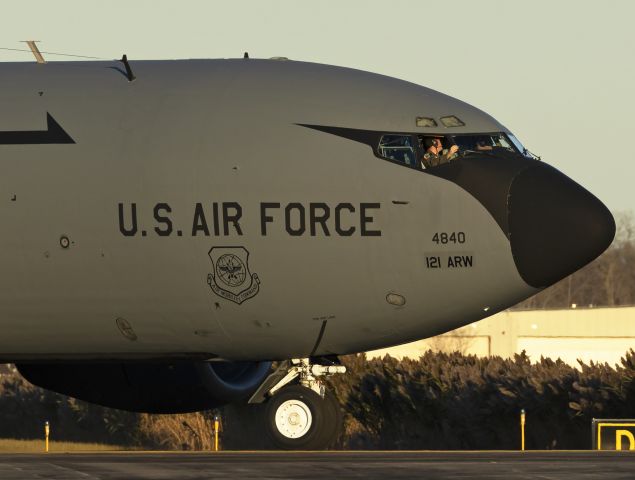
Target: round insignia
[231, 270]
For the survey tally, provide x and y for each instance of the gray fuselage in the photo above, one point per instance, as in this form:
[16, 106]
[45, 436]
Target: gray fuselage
[210, 159]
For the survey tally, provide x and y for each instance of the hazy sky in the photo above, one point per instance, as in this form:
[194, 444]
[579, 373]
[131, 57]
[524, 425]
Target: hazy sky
[559, 74]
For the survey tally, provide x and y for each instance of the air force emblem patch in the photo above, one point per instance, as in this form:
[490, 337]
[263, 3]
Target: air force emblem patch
[230, 278]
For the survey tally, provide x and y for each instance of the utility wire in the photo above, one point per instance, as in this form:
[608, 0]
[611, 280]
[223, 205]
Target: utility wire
[53, 53]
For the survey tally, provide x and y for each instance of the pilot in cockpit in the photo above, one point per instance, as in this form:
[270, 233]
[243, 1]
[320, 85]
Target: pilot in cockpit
[483, 145]
[435, 153]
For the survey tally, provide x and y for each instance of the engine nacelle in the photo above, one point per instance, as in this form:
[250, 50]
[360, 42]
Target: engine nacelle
[151, 387]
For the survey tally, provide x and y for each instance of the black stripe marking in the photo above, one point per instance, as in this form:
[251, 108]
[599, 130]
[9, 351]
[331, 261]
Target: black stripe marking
[54, 134]
[319, 338]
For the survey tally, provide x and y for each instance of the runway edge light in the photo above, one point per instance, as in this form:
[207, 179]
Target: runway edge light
[47, 430]
[216, 428]
[522, 430]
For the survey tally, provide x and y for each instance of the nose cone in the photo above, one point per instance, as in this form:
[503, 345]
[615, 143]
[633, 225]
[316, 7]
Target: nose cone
[555, 225]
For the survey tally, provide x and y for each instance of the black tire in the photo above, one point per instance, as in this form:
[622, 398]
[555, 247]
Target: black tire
[287, 419]
[333, 421]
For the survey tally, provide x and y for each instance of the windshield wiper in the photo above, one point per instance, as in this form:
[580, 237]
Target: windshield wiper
[532, 155]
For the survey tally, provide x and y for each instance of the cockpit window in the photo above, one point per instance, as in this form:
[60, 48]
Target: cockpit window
[521, 147]
[452, 121]
[486, 142]
[399, 148]
[517, 143]
[429, 150]
[425, 122]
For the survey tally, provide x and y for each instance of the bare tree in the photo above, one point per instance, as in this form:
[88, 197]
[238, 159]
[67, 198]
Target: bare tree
[192, 431]
[607, 281]
[458, 340]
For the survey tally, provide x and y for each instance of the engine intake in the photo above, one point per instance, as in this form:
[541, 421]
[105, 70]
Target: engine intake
[151, 387]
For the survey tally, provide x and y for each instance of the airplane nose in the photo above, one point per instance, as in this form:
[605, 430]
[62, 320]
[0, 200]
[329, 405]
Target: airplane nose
[555, 225]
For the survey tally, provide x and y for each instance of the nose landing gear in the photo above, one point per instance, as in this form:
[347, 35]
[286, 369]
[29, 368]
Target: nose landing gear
[301, 415]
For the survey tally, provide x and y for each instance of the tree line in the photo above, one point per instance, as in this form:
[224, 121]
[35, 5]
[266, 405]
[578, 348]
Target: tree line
[439, 401]
[456, 401]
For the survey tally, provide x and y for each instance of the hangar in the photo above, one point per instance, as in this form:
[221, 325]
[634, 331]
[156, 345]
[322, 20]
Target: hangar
[597, 334]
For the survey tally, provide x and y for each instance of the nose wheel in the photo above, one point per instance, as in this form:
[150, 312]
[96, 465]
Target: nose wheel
[298, 418]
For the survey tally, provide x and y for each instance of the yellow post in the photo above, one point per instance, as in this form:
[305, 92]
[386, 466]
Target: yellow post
[47, 430]
[522, 429]
[216, 423]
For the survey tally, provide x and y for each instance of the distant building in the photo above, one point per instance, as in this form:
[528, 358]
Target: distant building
[598, 334]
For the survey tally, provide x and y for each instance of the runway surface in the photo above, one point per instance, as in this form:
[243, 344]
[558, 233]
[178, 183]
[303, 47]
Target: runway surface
[322, 465]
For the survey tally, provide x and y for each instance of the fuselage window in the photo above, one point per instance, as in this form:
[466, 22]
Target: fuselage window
[398, 148]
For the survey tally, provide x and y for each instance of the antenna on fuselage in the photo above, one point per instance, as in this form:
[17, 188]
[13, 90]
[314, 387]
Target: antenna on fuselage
[246, 55]
[126, 64]
[36, 51]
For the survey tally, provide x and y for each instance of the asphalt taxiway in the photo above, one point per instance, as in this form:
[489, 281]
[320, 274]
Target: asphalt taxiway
[308, 465]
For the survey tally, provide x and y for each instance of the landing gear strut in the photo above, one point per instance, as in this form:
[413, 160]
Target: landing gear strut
[300, 413]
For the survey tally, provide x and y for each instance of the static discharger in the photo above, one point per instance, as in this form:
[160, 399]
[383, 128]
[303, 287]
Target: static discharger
[36, 51]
